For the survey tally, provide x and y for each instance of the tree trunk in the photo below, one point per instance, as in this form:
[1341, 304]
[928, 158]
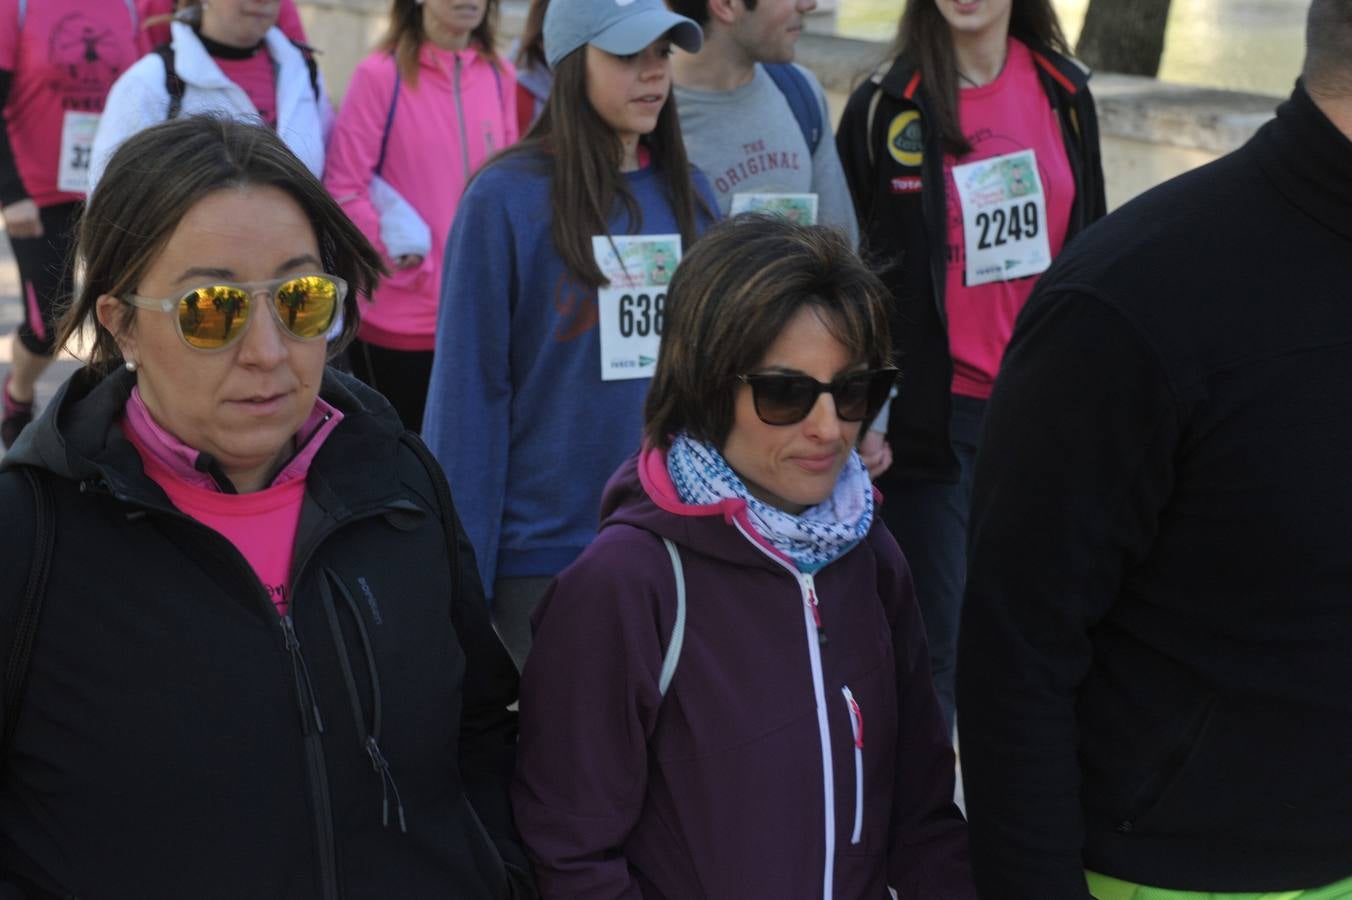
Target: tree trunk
[1124, 36]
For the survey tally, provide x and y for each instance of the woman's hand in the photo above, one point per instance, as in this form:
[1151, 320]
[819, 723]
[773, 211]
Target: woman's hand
[876, 453]
[408, 261]
[22, 220]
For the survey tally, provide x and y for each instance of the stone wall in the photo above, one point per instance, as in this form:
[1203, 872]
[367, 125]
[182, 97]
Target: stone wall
[344, 31]
[1150, 130]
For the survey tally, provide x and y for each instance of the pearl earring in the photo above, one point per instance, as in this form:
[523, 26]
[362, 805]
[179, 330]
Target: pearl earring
[130, 365]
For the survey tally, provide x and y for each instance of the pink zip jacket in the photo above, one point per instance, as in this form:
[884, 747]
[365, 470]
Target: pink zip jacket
[462, 110]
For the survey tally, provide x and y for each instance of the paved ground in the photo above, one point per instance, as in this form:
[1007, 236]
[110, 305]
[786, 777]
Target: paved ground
[11, 314]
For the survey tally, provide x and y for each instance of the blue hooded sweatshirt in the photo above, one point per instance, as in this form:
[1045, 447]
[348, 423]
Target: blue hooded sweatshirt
[517, 412]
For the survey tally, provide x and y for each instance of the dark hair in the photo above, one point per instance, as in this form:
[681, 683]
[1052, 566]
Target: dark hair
[585, 156]
[189, 11]
[699, 9]
[161, 173]
[530, 53]
[923, 36]
[728, 301]
[404, 37]
[1328, 49]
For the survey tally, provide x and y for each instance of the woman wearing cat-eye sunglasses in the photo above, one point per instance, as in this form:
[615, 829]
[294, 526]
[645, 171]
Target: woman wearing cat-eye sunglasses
[714, 655]
[264, 667]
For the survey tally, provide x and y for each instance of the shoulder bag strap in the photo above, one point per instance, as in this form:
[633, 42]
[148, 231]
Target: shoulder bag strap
[673, 654]
[389, 119]
[444, 502]
[26, 629]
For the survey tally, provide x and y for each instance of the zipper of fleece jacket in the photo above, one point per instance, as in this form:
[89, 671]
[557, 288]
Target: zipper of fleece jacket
[816, 639]
[312, 725]
[312, 730]
[460, 118]
[857, 728]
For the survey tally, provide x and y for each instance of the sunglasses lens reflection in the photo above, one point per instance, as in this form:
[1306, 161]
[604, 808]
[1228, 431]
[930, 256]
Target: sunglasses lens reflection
[306, 305]
[213, 317]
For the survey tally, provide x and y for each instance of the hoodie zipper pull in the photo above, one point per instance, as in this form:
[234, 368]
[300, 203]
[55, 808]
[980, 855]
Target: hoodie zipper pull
[811, 600]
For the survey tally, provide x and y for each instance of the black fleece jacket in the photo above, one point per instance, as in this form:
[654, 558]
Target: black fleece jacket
[1155, 664]
[176, 739]
[895, 167]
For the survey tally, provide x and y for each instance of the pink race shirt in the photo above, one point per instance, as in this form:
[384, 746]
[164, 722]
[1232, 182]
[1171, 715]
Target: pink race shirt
[1010, 114]
[64, 60]
[258, 79]
[261, 524]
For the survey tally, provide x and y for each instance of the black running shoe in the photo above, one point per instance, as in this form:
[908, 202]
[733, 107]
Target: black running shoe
[16, 416]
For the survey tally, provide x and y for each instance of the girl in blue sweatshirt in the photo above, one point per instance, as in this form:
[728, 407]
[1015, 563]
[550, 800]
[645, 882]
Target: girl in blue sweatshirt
[518, 411]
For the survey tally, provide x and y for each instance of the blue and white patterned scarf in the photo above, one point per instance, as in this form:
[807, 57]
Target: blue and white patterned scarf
[822, 533]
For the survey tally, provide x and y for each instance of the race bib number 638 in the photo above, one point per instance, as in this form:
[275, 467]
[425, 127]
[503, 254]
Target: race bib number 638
[632, 306]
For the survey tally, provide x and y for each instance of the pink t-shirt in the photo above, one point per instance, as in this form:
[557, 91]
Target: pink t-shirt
[258, 79]
[261, 524]
[64, 60]
[1010, 114]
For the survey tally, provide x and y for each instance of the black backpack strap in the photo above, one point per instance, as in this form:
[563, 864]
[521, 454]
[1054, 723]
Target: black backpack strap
[310, 63]
[26, 628]
[444, 503]
[173, 84]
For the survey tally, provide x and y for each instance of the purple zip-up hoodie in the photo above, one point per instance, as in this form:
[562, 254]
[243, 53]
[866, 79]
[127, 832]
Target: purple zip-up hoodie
[799, 751]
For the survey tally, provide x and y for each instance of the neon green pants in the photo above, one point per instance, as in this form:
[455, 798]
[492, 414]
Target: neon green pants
[1106, 888]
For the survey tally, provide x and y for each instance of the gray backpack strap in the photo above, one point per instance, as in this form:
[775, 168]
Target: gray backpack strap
[673, 655]
[23, 12]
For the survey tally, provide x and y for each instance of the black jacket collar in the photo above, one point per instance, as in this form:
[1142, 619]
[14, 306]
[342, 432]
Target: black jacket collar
[1073, 78]
[79, 438]
[1309, 161]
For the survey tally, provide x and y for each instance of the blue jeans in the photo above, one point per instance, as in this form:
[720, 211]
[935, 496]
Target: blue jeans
[929, 521]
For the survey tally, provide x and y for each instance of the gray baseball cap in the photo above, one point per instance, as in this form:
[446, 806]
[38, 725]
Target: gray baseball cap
[615, 26]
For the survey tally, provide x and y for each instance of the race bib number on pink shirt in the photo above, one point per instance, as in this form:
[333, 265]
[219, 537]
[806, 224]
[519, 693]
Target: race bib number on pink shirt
[1003, 211]
[64, 60]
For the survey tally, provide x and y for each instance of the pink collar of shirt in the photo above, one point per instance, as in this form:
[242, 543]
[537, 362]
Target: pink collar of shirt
[181, 460]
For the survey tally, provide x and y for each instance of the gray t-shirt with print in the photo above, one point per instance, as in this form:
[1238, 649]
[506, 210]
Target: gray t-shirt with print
[748, 141]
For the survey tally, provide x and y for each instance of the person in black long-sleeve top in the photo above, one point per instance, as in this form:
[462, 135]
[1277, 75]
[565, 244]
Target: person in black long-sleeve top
[58, 58]
[1154, 662]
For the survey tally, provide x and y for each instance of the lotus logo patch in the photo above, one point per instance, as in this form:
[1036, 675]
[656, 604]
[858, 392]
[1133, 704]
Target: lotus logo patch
[905, 139]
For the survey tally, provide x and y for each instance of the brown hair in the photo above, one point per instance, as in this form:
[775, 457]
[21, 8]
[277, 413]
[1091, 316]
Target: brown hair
[924, 36]
[189, 11]
[531, 51]
[585, 156]
[404, 36]
[729, 300]
[1328, 49]
[157, 176]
